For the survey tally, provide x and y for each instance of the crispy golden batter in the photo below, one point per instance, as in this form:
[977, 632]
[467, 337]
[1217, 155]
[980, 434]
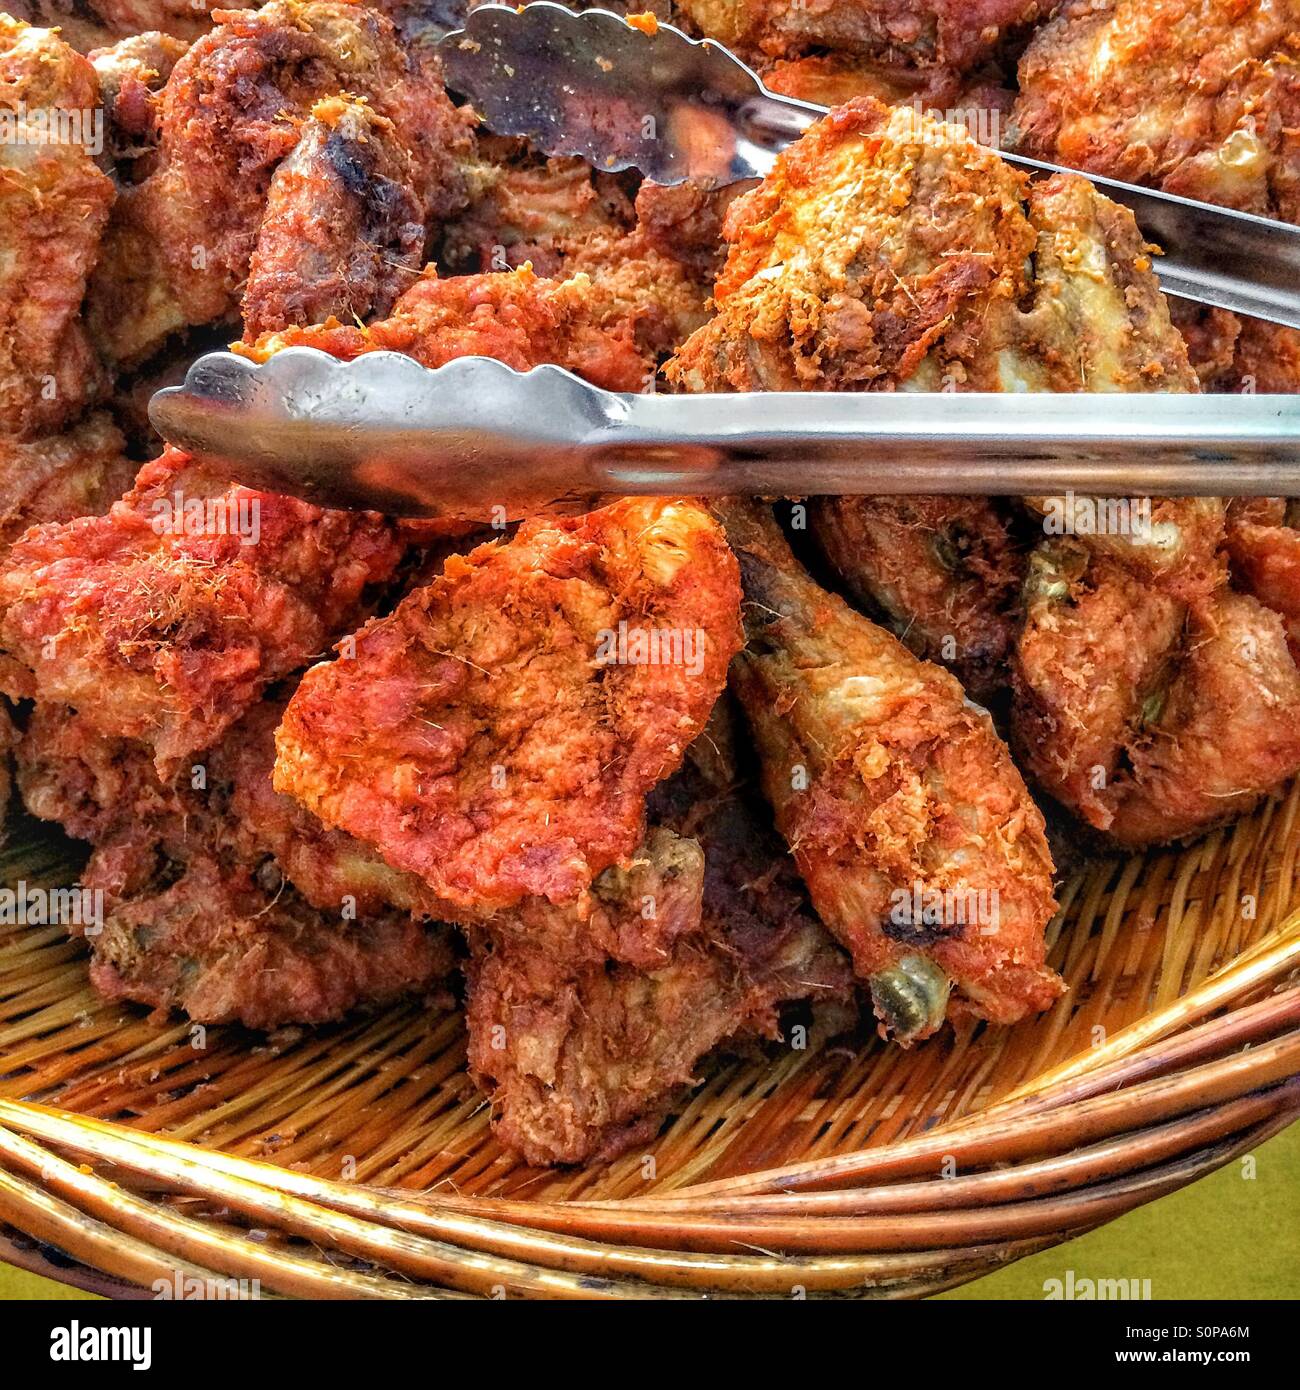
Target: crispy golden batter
[1201, 97]
[1091, 664]
[56, 478]
[180, 244]
[948, 33]
[945, 572]
[497, 734]
[892, 790]
[1227, 733]
[887, 251]
[167, 618]
[514, 316]
[54, 205]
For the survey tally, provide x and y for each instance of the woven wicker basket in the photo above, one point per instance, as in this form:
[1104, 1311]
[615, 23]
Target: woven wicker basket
[358, 1162]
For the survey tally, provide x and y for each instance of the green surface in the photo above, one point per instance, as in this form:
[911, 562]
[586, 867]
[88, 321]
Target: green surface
[1229, 1236]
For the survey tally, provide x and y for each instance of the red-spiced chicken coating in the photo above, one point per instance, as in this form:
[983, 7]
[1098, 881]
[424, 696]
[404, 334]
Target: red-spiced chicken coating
[498, 733]
[62, 476]
[514, 316]
[166, 619]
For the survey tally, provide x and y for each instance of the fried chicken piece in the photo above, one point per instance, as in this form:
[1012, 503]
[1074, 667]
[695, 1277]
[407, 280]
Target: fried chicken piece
[892, 790]
[887, 251]
[945, 572]
[1170, 542]
[165, 620]
[1264, 549]
[344, 228]
[1199, 97]
[530, 209]
[1152, 719]
[331, 870]
[106, 791]
[651, 263]
[185, 20]
[1090, 667]
[980, 102]
[1226, 734]
[581, 1056]
[54, 205]
[132, 73]
[946, 33]
[497, 734]
[516, 317]
[199, 916]
[180, 245]
[80, 473]
[225, 947]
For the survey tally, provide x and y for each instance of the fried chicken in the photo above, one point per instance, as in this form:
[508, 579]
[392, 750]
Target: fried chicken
[225, 947]
[944, 572]
[180, 245]
[1264, 550]
[498, 732]
[582, 1046]
[515, 316]
[132, 73]
[166, 619]
[1151, 718]
[62, 476]
[946, 33]
[887, 251]
[200, 914]
[920, 845]
[1198, 97]
[1090, 665]
[978, 101]
[344, 231]
[54, 205]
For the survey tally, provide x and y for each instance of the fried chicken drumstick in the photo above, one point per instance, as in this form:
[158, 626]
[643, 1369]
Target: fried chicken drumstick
[892, 791]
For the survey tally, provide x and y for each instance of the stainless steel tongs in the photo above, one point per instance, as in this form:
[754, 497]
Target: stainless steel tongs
[387, 433]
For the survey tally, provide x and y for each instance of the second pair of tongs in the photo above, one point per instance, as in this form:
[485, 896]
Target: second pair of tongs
[474, 436]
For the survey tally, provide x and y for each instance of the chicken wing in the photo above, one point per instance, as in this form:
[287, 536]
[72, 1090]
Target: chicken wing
[167, 618]
[497, 734]
[921, 848]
